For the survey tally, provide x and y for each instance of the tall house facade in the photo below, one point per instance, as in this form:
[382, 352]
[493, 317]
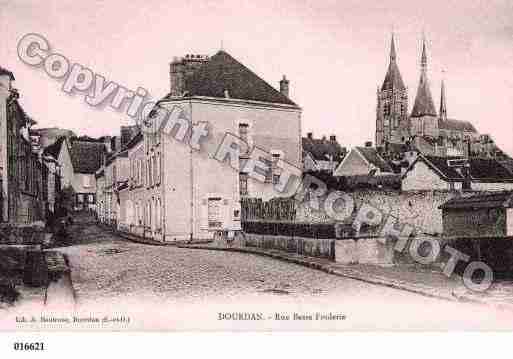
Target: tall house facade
[392, 104]
[193, 193]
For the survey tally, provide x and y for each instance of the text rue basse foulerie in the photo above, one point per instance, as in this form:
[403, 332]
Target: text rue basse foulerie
[280, 316]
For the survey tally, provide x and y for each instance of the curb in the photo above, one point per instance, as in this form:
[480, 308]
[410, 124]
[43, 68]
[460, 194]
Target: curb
[360, 277]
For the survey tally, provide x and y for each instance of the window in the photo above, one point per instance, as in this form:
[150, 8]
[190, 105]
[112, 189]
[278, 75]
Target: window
[214, 212]
[244, 134]
[90, 198]
[275, 170]
[86, 181]
[243, 184]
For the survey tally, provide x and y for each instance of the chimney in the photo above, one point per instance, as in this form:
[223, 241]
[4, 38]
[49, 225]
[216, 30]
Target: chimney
[310, 135]
[323, 138]
[284, 86]
[182, 68]
[368, 144]
[333, 138]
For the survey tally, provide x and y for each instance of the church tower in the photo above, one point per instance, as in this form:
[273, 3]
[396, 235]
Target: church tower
[392, 104]
[423, 119]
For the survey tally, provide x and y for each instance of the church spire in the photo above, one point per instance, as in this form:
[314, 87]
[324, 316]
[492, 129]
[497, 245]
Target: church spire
[423, 59]
[423, 101]
[393, 79]
[393, 55]
[443, 103]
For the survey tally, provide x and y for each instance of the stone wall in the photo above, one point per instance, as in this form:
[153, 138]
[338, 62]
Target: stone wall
[419, 208]
[364, 251]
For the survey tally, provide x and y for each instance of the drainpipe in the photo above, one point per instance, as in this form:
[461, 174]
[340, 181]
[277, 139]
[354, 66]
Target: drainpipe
[191, 176]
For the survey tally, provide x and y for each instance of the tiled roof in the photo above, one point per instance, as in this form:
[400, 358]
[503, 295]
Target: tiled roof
[455, 125]
[86, 157]
[491, 200]
[373, 157]
[222, 72]
[55, 148]
[4, 71]
[488, 169]
[439, 165]
[320, 149]
[481, 169]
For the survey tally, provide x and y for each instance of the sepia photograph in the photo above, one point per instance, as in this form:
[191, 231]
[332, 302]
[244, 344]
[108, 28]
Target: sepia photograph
[271, 166]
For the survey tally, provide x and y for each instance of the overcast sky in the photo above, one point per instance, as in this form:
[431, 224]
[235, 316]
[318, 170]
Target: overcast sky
[335, 54]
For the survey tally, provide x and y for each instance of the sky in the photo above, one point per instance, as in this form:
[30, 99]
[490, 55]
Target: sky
[335, 54]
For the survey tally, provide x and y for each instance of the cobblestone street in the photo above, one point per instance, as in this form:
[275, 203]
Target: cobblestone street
[166, 287]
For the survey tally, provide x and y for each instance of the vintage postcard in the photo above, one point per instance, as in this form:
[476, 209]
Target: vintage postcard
[256, 166]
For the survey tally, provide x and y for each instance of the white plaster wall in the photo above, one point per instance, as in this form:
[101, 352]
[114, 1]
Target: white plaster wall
[509, 226]
[271, 129]
[479, 186]
[421, 177]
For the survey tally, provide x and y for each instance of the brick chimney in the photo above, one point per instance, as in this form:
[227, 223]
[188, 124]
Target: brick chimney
[182, 68]
[333, 138]
[309, 135]
[284, 86]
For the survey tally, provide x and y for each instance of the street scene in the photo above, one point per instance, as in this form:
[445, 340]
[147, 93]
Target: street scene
[263, 187]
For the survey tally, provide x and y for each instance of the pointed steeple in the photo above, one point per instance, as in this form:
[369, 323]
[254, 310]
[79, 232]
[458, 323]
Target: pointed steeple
[392, 49]
[393, 79]
[423, 60]
[424, 104]
[443, 103]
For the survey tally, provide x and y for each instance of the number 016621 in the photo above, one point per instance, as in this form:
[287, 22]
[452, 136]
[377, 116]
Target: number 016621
[29, 346]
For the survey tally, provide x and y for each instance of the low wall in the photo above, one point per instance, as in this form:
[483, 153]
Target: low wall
[364, 251]
[22, 234]
[311, 247]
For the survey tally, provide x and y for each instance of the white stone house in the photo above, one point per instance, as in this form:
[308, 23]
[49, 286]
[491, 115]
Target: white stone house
[189, 194]
[437, 173]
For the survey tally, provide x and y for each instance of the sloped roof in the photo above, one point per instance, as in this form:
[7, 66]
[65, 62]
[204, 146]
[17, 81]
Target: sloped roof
[480, 169]
[373, 157]
[424, 104]
[488, 169]
[490, 200]
[393, 79]
[319, 148]
[222, 72]
[439, 165]
[86, 157]
[455, 125]
[4, 71]
[55, 148]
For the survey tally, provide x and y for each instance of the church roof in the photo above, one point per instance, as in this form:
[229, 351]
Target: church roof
[424, 104]
[393, 79]
[455, 125]
[223, 73]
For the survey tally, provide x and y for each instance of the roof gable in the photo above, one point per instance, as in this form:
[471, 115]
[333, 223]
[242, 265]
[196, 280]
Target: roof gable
[55, 148]
[372, 156]
[222, 72]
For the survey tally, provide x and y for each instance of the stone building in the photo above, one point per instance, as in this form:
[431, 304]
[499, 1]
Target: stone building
[86, 157]
[24, 192]
[321, 154]
[179, 193]
[443, 173]
[480, 215]
[423, 130]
